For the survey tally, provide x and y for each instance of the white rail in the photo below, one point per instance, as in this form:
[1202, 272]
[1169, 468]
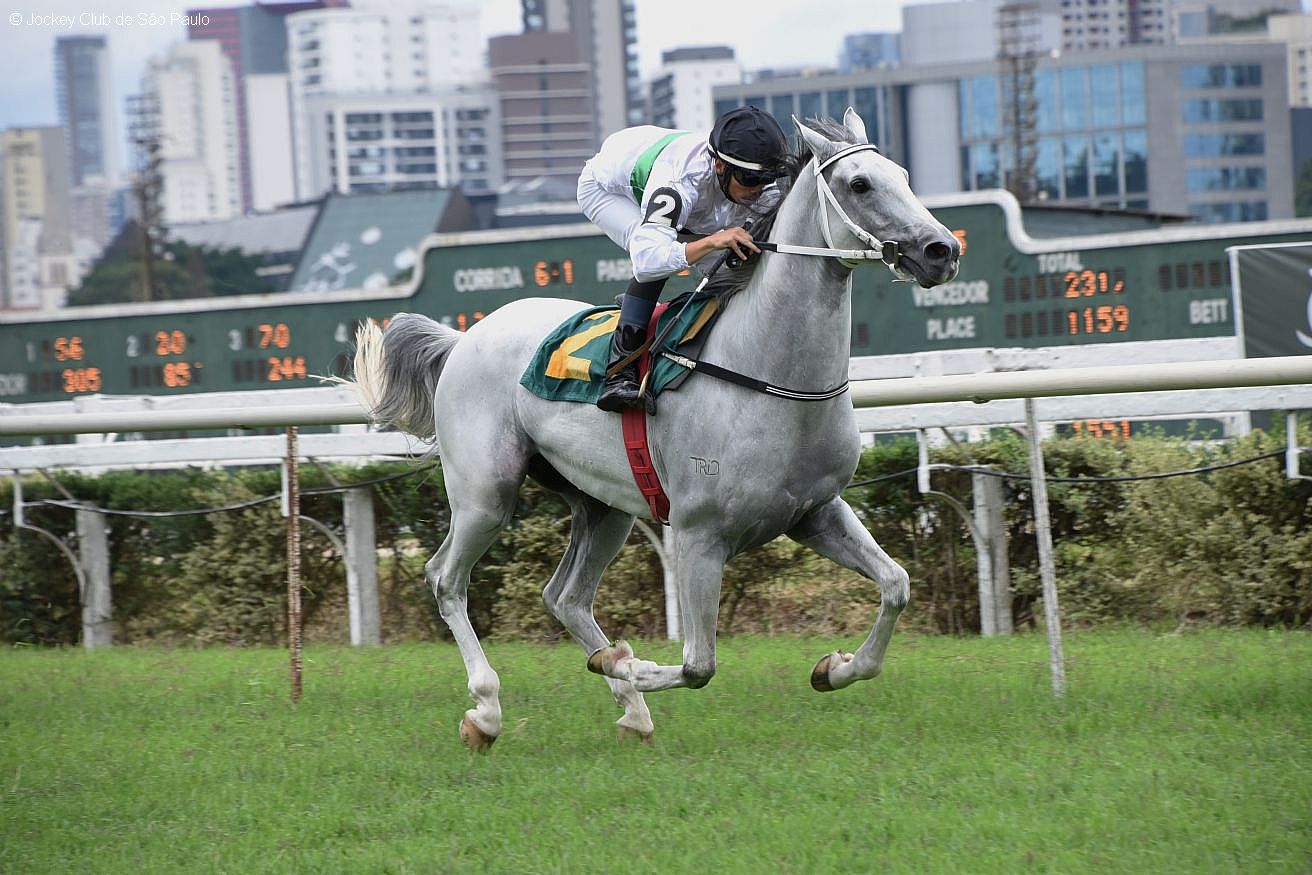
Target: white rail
[340, 410]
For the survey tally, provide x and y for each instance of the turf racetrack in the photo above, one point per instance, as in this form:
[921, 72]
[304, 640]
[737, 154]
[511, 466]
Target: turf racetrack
[1170, 753]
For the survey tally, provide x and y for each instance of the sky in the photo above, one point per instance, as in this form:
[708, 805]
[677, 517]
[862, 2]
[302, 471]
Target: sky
[764, 33]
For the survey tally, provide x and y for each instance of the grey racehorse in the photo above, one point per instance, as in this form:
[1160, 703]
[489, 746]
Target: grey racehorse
[740, 467]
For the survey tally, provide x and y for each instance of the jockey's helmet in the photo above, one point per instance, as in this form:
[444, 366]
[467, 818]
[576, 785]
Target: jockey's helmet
[752, 146]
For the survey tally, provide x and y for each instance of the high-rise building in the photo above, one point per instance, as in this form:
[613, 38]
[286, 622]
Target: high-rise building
[389, 96]
[86, 109]
[1211, 137]
[254, 40]
[869, 51]
[681, 88]
[565, 84]
[35, 206]
[395, 142]
[189, 110]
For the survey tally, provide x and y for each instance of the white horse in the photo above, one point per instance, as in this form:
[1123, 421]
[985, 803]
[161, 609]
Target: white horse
[740, 467]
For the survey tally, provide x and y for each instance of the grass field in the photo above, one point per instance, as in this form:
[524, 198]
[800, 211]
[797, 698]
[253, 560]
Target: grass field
[1170, 753]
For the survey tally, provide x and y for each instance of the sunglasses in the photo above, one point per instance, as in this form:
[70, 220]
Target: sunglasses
[753, 178]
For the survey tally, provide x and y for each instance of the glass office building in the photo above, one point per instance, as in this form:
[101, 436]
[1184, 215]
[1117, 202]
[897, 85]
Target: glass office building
[1199, 130]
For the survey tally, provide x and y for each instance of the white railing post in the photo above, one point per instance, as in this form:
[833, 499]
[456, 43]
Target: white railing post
[1047, 566]
[361, 565]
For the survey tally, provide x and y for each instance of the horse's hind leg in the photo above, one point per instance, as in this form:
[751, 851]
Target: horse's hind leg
[597, 533]
[477, 517]
[834, 531]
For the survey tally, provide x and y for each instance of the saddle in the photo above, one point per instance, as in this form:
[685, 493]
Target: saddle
[570, 364]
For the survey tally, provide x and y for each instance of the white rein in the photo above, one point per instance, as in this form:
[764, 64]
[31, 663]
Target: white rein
[883, 251]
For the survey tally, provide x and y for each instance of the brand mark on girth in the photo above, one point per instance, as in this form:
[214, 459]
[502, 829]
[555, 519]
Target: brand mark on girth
[709, 467]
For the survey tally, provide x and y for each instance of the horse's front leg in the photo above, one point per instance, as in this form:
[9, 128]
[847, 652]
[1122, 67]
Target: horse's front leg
[698, 570]
[834, 531]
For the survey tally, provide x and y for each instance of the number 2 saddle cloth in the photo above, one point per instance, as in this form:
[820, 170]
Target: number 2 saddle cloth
[570, 365]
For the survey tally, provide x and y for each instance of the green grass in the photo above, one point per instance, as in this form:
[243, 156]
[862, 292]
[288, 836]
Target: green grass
[1174, 753]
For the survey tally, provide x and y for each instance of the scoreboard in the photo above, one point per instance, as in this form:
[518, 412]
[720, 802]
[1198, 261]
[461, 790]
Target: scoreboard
[1013, 290]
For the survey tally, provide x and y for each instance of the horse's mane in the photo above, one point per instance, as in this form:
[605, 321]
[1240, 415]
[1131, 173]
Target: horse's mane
[826, 127]
[794, 162]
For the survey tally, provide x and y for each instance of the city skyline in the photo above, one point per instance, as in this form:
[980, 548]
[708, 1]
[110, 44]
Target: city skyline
[769, 33]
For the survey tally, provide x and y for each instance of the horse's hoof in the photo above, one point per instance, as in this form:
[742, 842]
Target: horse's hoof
[626, 733]
[474, 738]
[603, 661]
[820, 674]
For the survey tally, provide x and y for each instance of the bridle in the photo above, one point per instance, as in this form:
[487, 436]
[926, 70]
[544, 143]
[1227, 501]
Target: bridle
[885, 251]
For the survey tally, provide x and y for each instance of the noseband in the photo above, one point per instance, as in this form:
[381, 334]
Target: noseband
[887, 252]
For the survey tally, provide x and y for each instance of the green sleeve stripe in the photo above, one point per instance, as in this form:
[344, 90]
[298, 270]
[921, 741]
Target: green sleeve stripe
[642, 170]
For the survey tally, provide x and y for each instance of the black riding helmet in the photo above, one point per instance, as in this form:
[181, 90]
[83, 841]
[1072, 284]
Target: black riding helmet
[752, 146]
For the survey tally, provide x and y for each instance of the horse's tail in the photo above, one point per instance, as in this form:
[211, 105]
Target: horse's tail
[397, 369]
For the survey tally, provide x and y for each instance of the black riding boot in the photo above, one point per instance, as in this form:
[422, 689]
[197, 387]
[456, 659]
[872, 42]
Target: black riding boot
[622, 387]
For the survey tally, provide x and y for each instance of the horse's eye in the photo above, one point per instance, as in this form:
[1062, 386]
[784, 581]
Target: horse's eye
[860, 185]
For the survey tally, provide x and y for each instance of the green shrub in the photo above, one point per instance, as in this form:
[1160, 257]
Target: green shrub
[1231, 546]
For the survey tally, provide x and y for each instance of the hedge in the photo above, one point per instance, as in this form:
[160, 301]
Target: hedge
[1228, 546]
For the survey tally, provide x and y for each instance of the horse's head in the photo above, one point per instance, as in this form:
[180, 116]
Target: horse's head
[869, 203]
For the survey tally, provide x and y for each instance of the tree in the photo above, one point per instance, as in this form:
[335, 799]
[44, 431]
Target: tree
[183, 271]
[1303, 190]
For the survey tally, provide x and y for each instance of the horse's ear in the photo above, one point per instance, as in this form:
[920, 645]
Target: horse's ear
[853, 123]
[821, 147]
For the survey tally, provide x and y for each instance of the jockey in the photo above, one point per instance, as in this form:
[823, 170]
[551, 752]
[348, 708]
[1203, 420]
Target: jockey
[649, 186]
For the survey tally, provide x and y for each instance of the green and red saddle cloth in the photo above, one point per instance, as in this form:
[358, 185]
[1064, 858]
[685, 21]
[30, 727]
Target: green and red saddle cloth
[570, 364]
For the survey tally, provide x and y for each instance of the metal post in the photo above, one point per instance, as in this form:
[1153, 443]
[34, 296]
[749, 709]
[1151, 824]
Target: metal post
[1047, 568]
[992, 563]
[673, 631]
[664, 547]
[361, 565]
[1292, 448]
[292, 498]
[93, 556]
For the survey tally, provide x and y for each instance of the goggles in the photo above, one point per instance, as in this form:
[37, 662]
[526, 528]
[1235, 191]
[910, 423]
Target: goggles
[753, 178]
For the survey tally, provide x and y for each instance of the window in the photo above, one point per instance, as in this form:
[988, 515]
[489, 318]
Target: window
[781, 107]
[1074, 98]
[1219, 110]
[808, 105]
[1047, 168]
[1106, 165]
[1247, 211]
[1221, 75]
[1103, 92]
[1225, 179]
[1045, 95]
[866, 104]
[1132, 101]
[1208, 145]
[985, 166]
[836, 101]
[1076, 166]
[1135, 159]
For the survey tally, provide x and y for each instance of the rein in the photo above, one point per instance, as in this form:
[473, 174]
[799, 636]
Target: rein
[886, 251]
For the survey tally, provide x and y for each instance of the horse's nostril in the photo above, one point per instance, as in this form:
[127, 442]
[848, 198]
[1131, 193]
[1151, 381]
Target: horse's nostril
[938, 253]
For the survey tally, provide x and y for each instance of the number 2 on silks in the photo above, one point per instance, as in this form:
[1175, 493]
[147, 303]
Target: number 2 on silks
[664, 207]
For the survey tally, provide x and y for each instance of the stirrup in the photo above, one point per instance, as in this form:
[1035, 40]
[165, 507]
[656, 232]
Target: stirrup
[622, 389]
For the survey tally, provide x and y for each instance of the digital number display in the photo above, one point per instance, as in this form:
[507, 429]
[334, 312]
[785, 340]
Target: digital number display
[1102, 428]
[1073, 280]
[547, 273]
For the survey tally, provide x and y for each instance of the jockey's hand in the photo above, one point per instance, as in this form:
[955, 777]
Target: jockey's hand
[736, 240]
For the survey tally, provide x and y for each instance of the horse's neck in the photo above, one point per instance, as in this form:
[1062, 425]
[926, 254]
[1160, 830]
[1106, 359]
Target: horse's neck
[792, 323]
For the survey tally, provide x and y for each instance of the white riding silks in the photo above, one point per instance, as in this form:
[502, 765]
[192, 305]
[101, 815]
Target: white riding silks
[684, 166]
